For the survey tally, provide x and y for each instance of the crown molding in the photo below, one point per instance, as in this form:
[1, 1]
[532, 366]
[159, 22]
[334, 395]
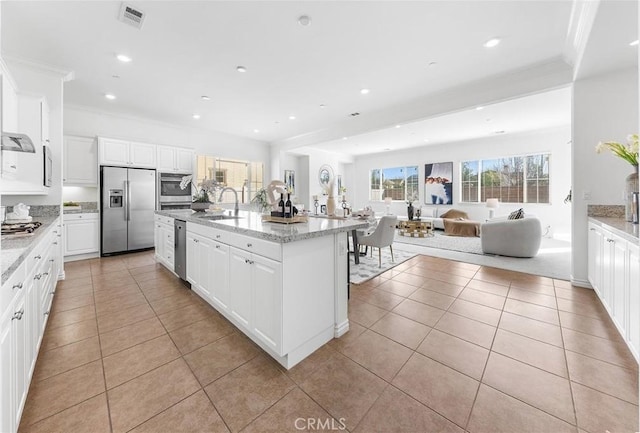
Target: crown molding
[56, 71]
[583, 15]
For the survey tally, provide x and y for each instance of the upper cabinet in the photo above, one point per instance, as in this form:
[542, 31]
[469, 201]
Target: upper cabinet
[26, 174]
[126, 153]
[80, 166]
[175, 160]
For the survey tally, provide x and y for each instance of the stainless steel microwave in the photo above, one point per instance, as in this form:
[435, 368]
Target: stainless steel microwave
[48, 165]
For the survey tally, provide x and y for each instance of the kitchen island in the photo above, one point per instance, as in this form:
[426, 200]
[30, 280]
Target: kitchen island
[284, 285]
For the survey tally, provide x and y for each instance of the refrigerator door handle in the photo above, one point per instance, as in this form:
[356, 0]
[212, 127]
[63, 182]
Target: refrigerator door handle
[128, 191]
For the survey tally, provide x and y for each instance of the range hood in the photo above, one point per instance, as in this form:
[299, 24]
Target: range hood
[15, 142]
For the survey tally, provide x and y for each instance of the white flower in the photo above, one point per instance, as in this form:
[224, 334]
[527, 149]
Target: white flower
[186, 180]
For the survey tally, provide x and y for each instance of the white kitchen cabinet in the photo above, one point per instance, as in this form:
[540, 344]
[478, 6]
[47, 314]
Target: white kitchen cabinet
[198, 268]
[126, 153]
[9, 124]
[22, 320]
[80, 163]
[219, 266]
[27, 169]
[267, 301]
[81, 233]
[241, 279]
[175, 160]
[164, 241]
[613, 271]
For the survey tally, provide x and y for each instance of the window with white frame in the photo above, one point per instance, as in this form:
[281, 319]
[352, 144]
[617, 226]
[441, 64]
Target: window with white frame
[399, 183]
[245, 177]
[513, 179]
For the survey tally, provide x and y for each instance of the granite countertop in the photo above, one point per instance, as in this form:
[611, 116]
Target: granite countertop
[619, 226]
[251, 224]
[15, 250]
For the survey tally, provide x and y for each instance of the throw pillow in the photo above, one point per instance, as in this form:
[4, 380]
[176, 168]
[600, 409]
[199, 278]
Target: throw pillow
[516, 214]
[453, 213]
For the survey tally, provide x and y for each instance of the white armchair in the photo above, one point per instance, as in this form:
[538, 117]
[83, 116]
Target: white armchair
[513, 238]
[382, 236]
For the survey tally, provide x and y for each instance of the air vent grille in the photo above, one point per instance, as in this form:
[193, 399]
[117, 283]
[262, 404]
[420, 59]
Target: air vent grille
[132, 16]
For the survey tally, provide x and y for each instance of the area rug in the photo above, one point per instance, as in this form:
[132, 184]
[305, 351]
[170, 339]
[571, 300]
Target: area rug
[368, 267]
[444, 242]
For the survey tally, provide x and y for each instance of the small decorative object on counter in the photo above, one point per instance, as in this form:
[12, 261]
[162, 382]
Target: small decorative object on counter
[315, 203]
[629, 153]
[288, 208]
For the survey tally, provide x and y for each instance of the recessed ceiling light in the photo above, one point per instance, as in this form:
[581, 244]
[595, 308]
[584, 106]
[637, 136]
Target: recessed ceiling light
[398, 126]
[364, 91]
[196, 116]
[426, 140]
[491, 43]
[256, 130]
[479, 108]
[344, 138]
[110, 96]
[241, 69]
[304, 20]
[292, 117]
[205, 98]
[634, 43]
[123, 58]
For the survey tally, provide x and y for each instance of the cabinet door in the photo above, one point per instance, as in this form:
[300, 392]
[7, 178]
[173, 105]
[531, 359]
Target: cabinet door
[32, 320]
[594, 249]
[44, 119]
[619, 272]
[9, 106]
[184, 160]
[166, 159]
[113, 152]
[193, 262]
[203, 285]
[633, 282]
[81, 237]
[7, 377]
[19, 350]
[267, 297]
[240, 284]
[142, 155]
[80, 161]
[219, 268]
[158, 240]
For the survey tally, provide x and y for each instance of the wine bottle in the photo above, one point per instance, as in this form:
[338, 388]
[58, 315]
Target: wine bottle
[281, 206]
[287, 207]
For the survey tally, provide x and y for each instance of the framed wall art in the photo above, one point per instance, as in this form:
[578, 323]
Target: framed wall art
[438, 183]
[290, 180]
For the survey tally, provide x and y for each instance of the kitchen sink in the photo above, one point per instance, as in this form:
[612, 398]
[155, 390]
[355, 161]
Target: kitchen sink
[221, 217]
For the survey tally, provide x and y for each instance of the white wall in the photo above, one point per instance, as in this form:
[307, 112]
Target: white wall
[605, 108]
[50, 85]
[80, 193]
[89, 123]
[557, 214]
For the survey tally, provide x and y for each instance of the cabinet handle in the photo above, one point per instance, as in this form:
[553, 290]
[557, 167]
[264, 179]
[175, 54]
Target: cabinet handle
[46, 313]
[51, 260]
[592, 229]
[18, 315]
[59, 235]
[37, 276]
[610, 240]
[218, 247]
[249, 245]
[52, 293]
[13, 166]
[249, 262]
[17, 286]
[45, 273]
[37, 257]
[55, 243]
[217, 236]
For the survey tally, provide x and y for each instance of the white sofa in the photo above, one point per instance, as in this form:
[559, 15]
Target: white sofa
[513, 238]
[432, 214]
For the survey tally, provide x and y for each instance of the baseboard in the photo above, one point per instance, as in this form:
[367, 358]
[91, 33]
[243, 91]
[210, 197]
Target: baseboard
[81, 257]
[581, 283]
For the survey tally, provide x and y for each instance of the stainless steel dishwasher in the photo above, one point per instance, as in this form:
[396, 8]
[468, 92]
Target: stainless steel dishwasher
[180, 254]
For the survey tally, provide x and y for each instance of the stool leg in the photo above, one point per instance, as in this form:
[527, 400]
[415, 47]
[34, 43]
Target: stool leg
[379, 257]
[392, 259]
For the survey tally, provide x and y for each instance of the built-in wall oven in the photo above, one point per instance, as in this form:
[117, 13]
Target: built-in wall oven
[170, 195]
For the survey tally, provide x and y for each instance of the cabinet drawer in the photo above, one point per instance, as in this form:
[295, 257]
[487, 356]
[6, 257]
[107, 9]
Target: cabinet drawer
[164, 219]
[81, 216]
[271, 250]
[217, 235]
[12, 287]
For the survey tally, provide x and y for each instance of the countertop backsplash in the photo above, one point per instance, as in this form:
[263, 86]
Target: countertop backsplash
[607, 211]
[40, 210]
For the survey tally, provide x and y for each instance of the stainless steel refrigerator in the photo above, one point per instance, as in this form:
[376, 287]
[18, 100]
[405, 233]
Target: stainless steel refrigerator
[128, 200]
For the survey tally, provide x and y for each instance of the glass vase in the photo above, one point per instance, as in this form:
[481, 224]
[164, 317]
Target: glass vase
[631, 186]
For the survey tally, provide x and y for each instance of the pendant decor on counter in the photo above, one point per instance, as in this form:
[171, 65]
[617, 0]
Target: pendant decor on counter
[631, 186]
[410, 212]
[331, 206]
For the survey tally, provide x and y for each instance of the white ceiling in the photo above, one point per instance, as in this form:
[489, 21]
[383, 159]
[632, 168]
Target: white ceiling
[191, 48]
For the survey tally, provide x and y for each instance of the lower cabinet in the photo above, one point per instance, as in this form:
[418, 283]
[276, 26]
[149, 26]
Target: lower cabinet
[164, 236]
[613, 271]
[81, 233]
[23, 316]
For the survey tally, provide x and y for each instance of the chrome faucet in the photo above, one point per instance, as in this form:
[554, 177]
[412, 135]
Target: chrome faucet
[236, 209]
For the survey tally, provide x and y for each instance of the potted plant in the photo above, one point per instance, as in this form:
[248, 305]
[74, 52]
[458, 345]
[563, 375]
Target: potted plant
[200, 199]
[261, 201]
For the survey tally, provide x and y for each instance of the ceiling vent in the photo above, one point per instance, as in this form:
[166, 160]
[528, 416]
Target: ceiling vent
[132, 16]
